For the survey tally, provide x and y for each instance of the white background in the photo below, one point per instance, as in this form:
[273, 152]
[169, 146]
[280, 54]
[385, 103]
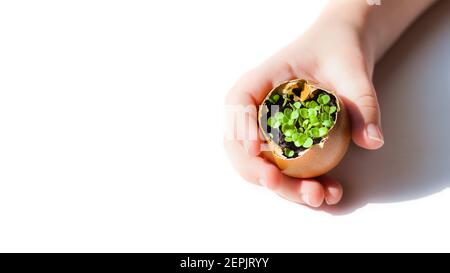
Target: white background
[111, 123]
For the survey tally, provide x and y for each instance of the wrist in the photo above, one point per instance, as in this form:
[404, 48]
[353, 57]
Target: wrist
[354, 16]
[378, 26]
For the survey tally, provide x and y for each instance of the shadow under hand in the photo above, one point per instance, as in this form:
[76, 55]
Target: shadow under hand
[413, 84]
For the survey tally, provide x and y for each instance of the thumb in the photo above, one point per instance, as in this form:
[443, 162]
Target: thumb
[359, 96]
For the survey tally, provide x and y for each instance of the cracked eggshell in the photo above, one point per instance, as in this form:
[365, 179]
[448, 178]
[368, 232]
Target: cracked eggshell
[320, 158]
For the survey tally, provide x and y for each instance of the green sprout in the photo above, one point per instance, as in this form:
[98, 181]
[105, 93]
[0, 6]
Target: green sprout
[288, 152]
[274, 98]
[302, 124]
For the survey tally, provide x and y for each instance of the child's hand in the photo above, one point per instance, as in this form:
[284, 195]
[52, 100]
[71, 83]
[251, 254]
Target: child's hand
[337, 53]
[332, 54]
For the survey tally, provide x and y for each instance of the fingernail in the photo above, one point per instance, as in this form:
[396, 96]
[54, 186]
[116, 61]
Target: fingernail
[262, 182]
[374, 133]
[305, 199]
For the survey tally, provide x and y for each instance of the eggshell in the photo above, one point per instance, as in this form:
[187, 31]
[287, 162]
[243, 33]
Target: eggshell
[320, 158]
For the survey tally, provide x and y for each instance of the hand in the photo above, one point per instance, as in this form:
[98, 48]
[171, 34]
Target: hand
[332, 53]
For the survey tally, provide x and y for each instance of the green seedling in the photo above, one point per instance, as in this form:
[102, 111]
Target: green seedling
[302, 124]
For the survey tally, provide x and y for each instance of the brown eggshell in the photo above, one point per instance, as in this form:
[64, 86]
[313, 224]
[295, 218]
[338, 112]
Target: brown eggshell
[320, 158]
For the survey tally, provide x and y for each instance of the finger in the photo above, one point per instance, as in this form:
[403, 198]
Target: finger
[358, 93]
[260, 171]
[243, 101]
[242, 127]
[242, 111]
[333, 189]
[303, 191]
[254, 169]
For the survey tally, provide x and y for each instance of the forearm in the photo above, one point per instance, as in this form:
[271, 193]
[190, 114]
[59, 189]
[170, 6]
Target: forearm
[378, 25]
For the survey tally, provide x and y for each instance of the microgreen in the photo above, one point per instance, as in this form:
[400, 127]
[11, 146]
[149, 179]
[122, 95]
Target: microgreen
[327, 123]
[323, 131]
[279, 116]
[301, 124]
[314, 120]
[312, 112]
[304, 113]
[287, 112]
[315, 132]
[289, 132]
[324, 99]
[332, 109]
[288, 152]
[275, 98]
[308, 142]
